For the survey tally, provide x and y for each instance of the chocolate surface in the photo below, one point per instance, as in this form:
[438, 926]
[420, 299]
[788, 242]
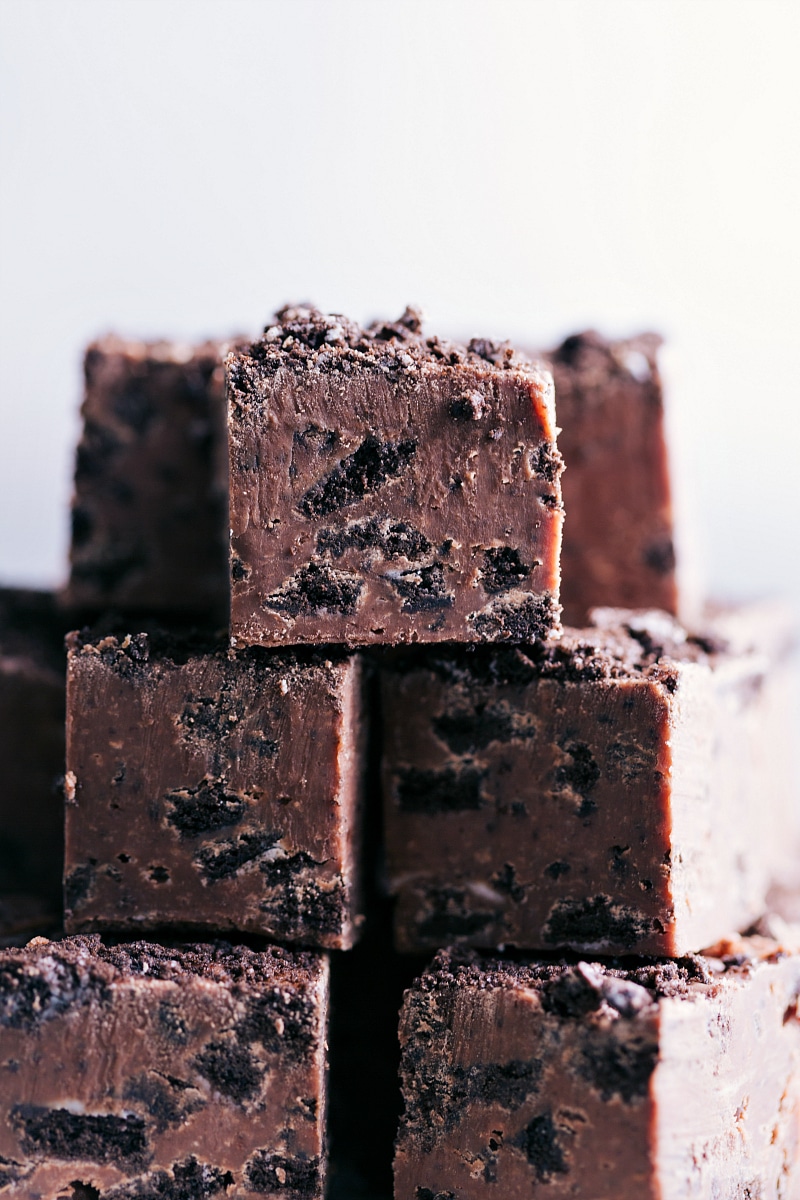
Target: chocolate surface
[658, 1081]
[32, 670]
[593, 792]
[149, 511]
[622, 545]
[145, 1071]
[388, 487]
[213, 790]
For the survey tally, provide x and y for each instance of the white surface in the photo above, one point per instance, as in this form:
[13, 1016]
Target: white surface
[522, 169]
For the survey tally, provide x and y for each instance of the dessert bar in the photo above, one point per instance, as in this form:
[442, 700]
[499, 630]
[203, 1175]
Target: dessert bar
[213, 790]
[137, 1071]
[652, 1082]
[389, 487]
[623, 539]
[622, 790]
[149, 511]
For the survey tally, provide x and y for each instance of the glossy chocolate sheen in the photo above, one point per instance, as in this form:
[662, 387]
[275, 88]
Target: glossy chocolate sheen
[139, 1071]
[387, 487]
[621, 543]
[32, 682]
[149, 511]
[601, 1081]
[213, 790]
[622, 790]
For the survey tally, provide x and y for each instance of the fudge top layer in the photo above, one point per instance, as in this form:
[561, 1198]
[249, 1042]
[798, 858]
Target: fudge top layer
[44, 975]
[621, 644]
[130, 653]
[573, 989]
[305, 339]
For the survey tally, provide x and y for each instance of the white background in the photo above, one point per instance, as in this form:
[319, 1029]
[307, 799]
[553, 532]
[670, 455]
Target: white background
[519, 169]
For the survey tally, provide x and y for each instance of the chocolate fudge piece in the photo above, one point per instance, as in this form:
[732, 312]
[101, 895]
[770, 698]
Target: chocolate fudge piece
[149, 512]
[623, 542]
[32, 668]
[213, 790]
[615, 791]
[651, 1082]
[389, 487]
[139, 1071]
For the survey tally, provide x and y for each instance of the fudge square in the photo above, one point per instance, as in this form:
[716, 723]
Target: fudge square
[32, 667]
[139, 1071]
[149, 511]
[651, 1082]
[213, 790]
[389, 487]
[624, 541]
[621, 790]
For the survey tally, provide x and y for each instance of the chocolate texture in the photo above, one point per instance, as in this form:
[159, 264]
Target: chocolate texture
[595, 792]
[597, 1080]
[32, 666]
[138, 1071]
[149, 510]
[623, 542]
[213, 790]
[389, 487]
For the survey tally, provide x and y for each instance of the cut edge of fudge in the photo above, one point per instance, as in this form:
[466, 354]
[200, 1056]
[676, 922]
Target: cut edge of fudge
[333, 557]
[327, 910]
[731, 666]
[596, 1077]
[249, 1020]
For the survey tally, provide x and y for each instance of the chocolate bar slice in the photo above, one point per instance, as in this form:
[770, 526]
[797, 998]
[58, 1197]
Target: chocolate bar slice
[602, 1081]
[137, 1071]
[622, 790]
[32, 669]
[624, 542]
[213, 790]
[389, 487]
[149, 512]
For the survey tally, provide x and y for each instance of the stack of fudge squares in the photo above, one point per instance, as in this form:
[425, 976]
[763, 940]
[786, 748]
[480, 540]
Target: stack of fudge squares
[324, 567]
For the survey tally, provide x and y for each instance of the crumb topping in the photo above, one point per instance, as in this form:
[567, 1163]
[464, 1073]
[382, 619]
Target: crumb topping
[303, 338]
